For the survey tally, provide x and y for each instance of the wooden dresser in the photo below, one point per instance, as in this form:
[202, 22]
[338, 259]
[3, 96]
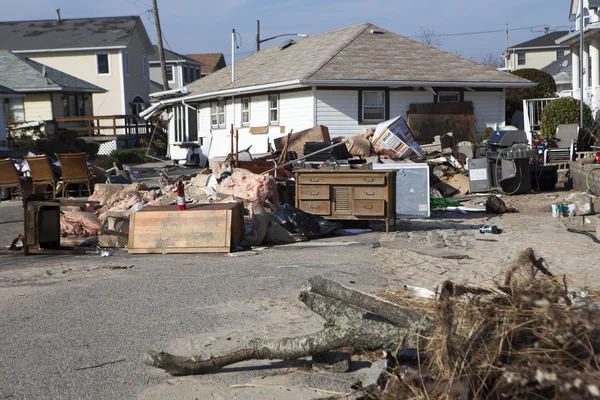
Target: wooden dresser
[348, 194]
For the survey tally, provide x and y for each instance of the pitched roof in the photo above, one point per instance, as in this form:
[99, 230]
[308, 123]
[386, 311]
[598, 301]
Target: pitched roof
[548, 40]
[212, 61]
[5, 90]
[172, 56]
[558, 66]
[355, 54]
[67, 34]
[25, 75]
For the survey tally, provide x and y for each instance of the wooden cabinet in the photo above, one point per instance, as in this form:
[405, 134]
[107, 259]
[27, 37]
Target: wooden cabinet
[347, 194]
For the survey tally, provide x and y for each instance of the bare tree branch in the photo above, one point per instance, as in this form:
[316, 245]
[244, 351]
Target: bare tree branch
[429, 37]
[493, 60]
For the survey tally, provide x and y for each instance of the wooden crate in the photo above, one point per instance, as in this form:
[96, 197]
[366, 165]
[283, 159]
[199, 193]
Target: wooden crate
[202, 228]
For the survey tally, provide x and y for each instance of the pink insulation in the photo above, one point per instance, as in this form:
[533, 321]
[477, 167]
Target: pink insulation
[245, 185]
[79, 223]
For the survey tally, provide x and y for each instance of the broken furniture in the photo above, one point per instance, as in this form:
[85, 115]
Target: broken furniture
[41, 173]
[507, 155]
[348, 194]
[74, 171]
[201, 228]
[9, 176]
[566, 145]
[318, 133]
[115, 230]
[42, 225]
[412, 189]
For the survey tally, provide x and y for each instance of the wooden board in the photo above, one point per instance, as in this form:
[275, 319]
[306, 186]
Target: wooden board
[319, 133]
[202, 228]
[429, 120]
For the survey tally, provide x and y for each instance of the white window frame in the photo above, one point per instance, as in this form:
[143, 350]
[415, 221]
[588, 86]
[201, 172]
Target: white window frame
[382, 106]
[217, 113]
[145, 66]
[247, 111]
[172, 69]
[452, 93]
[98, 73]
[126, 61]
[271, 109]
[180, 123]
[524, 55]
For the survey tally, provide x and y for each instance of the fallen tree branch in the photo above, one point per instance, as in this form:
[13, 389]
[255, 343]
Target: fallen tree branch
[347, 325]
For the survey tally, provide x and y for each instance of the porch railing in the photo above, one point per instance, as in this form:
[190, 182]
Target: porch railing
[106, 124]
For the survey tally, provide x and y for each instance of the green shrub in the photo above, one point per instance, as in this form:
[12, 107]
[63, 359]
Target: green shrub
[159, 144]
[562, 111]
[514, 97]
[130, 156]
[66, 142]
[486, 133]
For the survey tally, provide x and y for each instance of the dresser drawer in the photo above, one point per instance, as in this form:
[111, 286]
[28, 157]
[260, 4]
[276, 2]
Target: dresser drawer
[370, 193]
[317, 207]
[342, 179]
[316, 192]
[375, 208]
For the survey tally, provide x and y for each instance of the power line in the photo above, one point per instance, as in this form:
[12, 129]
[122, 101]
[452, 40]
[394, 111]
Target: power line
[135, 4]
[490, 31]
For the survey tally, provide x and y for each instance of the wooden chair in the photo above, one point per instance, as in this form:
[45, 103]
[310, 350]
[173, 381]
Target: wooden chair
[74, 171]
[41, 173]
[9, 176]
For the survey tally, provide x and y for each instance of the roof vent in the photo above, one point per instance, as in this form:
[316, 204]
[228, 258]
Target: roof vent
[287, 44]
[376, 31]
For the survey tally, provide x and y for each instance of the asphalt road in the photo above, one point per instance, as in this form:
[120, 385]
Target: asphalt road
[61, 317]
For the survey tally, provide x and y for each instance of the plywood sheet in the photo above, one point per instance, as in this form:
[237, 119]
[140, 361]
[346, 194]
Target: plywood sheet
[429, 120]
[319, 133]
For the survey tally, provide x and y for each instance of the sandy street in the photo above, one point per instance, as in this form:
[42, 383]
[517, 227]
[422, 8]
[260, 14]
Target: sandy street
[77, 326]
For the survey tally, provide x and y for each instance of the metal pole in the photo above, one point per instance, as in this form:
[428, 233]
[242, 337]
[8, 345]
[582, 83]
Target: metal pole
[161, 50]
[233, 55]
[581, 64]
[257, 35]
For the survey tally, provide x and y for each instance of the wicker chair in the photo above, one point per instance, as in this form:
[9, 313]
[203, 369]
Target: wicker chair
[74, 171]
[41, 173]
[9, 176]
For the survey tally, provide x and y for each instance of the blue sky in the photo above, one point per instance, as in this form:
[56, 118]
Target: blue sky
[200, 26]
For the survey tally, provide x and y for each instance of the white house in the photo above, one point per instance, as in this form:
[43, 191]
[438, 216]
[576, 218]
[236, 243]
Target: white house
[181, 70]
[591, 52]
[111, 53]
[349, 80]
[536, 53]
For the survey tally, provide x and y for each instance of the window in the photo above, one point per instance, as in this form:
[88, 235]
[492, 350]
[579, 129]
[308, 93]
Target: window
[137, 105]
[217, 114]
[274, 109]
[560, 54]
[73, 105]
[102, 64]
[373, 105]
[185, 74]
[197, 73]
[145, 66]
[520, 58]
[170, 73]
[185, 120]
[127, 64]
[245, 111]
[448, 97]
[15, 111]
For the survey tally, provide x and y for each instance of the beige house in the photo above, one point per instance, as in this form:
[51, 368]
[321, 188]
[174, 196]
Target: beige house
[111, 53]
[536, 53]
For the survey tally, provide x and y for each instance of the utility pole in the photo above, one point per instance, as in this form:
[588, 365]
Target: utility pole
[233, 55]
[257, 35]
[161, 50]
[507, 55]
[581, 64]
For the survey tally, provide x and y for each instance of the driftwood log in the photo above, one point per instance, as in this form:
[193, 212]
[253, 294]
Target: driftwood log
[353, 319]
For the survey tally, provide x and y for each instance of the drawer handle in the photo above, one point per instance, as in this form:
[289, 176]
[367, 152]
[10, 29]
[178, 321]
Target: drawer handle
[315, 179]
[315, 206]
[369, 179]
[369, 207]
[370, 193]
[314, 193]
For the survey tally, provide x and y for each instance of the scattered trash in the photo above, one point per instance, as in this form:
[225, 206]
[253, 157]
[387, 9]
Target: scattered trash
[350, 232]
[420, 292]
[490, 229]
[242, 254]
[104, 252]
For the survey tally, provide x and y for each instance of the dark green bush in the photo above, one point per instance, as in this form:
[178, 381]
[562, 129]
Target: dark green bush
[130, 156]
[486, 133]
[562, 111]
[514, 97]
[159, 144]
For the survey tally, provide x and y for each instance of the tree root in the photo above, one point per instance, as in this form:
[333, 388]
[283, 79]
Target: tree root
[353, 319]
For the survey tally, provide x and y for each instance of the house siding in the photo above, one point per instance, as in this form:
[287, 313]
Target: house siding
[400, 101]
[135, 84]
[38, 107]
[489, 110]
[338, 110]
[296, 110]
[534, 58]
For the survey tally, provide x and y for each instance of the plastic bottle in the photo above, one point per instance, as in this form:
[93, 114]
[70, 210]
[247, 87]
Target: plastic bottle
[490, 229]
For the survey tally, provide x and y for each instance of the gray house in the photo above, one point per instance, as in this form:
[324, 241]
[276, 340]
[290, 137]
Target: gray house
[181, 70]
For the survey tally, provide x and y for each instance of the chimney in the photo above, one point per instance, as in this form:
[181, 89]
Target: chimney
[58, 16]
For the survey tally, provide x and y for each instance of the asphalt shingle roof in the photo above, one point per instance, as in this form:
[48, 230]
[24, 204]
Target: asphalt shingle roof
[172, 56]
[353, 53]
[5, 90]
[68, 34]
[558, 66]
[25, 75]
[212, 61]
[548, 40]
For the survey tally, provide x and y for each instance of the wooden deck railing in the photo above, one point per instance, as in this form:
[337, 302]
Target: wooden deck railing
[96, 125]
